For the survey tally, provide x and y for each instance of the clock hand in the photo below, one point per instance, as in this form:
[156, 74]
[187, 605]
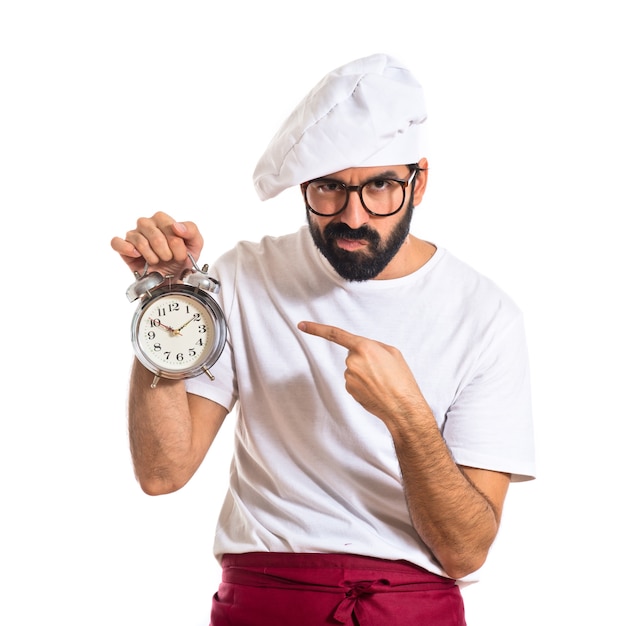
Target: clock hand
[185, 324]
[162, 325]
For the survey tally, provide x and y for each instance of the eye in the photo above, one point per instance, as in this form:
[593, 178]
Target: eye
[380, 185]
[328, 187]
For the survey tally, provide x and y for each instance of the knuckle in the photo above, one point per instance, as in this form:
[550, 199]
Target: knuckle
[365, 347]
[144, 222]
[333, 334]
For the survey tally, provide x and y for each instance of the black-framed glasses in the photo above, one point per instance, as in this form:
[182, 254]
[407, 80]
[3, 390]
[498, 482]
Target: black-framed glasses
[380, 196]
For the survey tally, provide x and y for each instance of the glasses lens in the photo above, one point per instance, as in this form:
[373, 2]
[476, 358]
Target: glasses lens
[383, 196]
[326, 197]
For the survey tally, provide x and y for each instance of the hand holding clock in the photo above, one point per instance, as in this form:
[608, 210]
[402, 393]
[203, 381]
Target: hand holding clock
[161, 242]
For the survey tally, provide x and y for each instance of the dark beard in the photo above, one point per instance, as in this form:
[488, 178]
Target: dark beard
[359, 266]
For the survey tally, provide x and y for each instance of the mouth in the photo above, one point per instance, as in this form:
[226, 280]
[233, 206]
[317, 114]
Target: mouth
[350, 244]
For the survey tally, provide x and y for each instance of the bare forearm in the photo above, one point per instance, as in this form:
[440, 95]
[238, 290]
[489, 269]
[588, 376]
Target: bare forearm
[160, 431]
[452, 517]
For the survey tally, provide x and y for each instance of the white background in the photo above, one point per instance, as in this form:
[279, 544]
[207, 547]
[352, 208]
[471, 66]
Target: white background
[113, 110]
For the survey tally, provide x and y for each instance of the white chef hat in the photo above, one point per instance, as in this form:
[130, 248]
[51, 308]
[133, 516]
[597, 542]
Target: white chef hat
[369, 112]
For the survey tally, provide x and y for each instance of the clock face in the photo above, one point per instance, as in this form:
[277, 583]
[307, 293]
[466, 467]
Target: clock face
[175, 334]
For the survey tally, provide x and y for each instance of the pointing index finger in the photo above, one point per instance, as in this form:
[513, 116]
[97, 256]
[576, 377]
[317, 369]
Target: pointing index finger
[331, 333]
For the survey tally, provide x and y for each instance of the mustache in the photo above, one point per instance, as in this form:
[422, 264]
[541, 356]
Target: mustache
[343, 231]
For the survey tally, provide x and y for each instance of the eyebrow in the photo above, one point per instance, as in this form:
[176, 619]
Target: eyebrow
[386, 174]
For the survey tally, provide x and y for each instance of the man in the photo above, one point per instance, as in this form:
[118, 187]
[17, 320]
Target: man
[381, 385]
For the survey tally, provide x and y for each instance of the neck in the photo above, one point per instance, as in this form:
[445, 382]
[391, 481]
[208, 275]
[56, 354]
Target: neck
[413, 254]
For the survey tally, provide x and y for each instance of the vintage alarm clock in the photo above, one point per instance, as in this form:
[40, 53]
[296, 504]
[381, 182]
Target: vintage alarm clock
[178, 330]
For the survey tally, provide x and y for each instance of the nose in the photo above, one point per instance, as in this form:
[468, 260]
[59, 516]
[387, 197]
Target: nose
[354, 215]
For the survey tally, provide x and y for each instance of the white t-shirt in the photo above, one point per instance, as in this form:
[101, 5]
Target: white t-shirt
[312, 470]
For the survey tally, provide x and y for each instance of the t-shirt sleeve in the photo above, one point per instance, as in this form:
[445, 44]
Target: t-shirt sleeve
[489, 425]
[223, 388]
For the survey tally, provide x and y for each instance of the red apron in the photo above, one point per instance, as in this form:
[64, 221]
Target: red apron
[276, 589]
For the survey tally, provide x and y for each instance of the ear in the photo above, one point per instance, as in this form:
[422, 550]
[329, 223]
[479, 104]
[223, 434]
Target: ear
[420, 181]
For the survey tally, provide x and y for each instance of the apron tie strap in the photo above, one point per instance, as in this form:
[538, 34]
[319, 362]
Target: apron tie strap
[356, 590]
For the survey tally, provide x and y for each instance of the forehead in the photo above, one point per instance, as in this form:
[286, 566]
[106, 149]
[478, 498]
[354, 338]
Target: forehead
[365, 173]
